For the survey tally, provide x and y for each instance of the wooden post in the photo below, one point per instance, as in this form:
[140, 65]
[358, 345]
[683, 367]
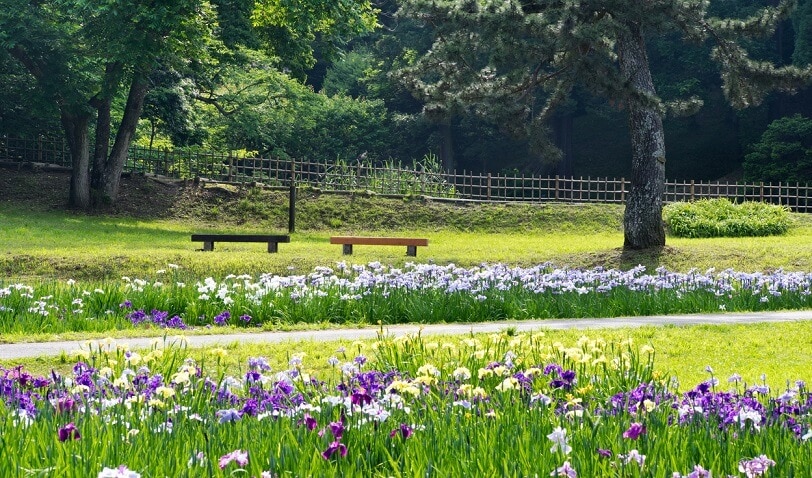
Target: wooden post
[692, 190]
[622, 189]
[292, 199]
[489, 186]
[556, 187]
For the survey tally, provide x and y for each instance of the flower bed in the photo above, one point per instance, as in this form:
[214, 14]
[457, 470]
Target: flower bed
[374, 293]
[496, 405]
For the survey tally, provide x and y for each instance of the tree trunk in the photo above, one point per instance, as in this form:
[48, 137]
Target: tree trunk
[76, 133]
[126, 131]
[642, 222]
[101, 147]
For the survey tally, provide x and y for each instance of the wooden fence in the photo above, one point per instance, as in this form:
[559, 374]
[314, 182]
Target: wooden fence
[399, 180]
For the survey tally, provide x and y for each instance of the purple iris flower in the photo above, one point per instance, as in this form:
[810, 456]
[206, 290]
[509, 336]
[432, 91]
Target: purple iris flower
[604, 453]
[222, 318]
[310, 422]
[404, 430]
[69, 432]
[634, 431]
[337, 429]
[334, 447]
[65, 405]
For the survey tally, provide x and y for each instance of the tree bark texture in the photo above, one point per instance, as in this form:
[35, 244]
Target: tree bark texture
[76, 133]
[101, 147]
[642, 222]
[126, 131]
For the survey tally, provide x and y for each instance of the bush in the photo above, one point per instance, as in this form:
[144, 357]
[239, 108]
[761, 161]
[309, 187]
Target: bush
[722, 218]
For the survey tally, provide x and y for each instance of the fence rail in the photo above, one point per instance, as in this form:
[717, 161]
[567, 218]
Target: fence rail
[396, 179]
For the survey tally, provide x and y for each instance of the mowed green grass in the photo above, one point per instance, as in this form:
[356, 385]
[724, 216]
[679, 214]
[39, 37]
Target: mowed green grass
[47, 245]
[59, 245]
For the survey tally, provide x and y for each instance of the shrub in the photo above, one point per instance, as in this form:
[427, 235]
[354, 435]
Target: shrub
[722, 218]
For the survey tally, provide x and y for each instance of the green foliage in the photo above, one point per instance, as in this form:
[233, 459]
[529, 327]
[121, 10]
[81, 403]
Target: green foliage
[722, 218]
[298, 123]
[291, 27]
[424, 177]
[349, 75]
[784, 152]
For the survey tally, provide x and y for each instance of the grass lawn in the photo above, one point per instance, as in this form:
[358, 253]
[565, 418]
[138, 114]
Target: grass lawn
[41, 244]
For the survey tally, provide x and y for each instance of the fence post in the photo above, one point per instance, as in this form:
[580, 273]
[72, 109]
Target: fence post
[622, 189]
[489, 186]
[692, 190]
[292, 198]
[556, 187]
[761, 191]
[230, 167]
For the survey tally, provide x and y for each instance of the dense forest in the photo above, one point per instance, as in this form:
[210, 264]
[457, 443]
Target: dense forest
[324, 81]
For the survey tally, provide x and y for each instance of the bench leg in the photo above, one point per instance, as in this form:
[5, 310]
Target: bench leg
[272, 247]
[347, 249]
[411, 251]
[208, 245]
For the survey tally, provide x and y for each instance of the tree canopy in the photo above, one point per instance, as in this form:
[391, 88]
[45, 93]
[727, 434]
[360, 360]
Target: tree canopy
[86, 54]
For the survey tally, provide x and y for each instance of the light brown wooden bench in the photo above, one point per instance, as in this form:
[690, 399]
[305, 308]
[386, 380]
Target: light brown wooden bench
[411, 243]
[209, 239]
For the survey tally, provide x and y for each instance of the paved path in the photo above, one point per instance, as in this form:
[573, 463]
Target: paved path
[12, 351]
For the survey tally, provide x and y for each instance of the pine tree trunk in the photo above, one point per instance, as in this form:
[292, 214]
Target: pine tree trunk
[76, 133]
[642, 222]
[126, 131]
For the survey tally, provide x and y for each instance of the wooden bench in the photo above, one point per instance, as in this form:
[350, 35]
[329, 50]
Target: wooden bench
[410, 243]
[209, 239]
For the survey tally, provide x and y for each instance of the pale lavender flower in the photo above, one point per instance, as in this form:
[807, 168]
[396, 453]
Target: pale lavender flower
[228, 415]
[239, 456]
[565, 470]
[120, 472]
[698, 472]
[559, 439]
[757, 466]
[635, 456]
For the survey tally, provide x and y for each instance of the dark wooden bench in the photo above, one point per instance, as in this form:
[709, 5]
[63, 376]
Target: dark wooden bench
[209, 239]
[410, 242]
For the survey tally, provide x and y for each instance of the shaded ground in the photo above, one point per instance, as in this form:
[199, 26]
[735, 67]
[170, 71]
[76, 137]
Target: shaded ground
[48, 190]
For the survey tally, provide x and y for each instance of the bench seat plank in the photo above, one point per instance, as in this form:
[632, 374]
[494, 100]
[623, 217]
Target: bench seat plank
[379, 241]
[411, 243]
[209, 239]
[239, 238]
